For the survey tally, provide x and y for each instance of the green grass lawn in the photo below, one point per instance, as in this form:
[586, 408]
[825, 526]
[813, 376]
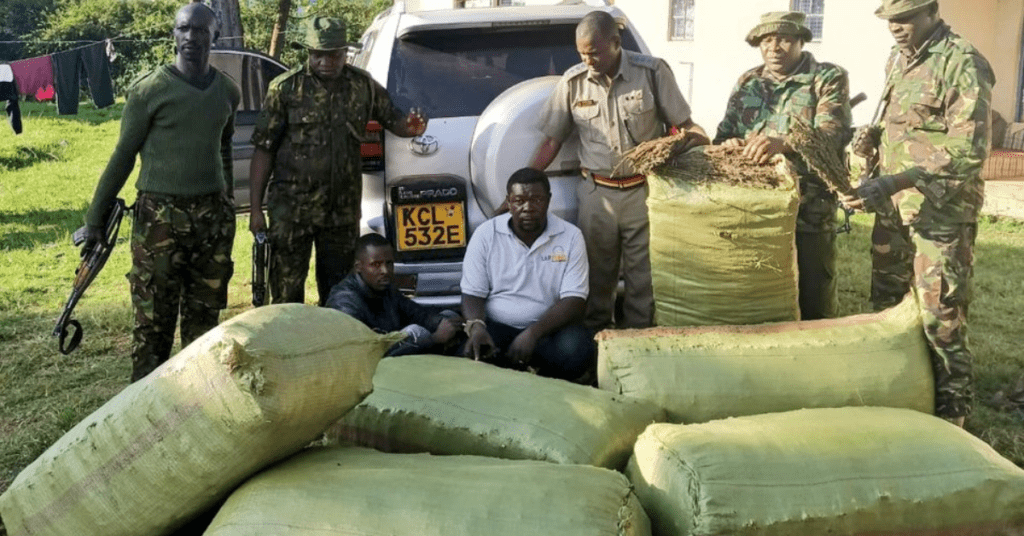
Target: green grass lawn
[47, 177]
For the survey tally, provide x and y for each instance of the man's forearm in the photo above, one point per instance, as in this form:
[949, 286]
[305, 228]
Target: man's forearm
[564, 312]
[474, 307]
[545, 154]
[259, 173]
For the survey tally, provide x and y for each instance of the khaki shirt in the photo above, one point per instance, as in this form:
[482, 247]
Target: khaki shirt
[642, 99]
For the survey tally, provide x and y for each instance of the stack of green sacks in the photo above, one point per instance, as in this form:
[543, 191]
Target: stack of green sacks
[700, 374]
[446, 405]
[252, 391]
[842, 471]
[360, 491]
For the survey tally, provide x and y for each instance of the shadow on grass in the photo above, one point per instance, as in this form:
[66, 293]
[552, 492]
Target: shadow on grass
[43, 227]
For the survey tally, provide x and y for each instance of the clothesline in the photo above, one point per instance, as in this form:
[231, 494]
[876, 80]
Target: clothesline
[116, 40]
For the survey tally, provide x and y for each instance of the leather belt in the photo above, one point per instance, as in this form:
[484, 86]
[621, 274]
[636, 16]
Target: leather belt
[619, 183]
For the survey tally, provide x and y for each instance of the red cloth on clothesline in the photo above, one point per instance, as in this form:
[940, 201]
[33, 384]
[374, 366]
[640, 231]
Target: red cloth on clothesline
[33, 75]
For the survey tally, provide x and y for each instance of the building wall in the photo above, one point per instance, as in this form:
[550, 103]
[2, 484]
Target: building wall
[853, 37]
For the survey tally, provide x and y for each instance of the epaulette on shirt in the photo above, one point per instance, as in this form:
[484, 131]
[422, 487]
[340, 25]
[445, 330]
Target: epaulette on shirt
[576, 70]
[643, 60]
[142, 77]
[357, 70]
[283, 77]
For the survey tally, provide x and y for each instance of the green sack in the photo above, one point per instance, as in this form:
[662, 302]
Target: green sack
[446, 405]
[251, 391]
[700, 374]
[841, 471]
[359, 491]
[723, 254]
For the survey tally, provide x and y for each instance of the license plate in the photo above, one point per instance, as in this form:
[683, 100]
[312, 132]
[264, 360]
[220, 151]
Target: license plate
[430, 226]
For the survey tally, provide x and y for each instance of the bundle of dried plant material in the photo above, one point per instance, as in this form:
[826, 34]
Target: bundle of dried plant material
[651, 154]
[821, 150]
[725, 165]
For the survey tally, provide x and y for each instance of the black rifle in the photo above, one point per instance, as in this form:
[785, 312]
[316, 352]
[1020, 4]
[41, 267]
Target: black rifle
[92, 262]
[847, 212]
[260, 268]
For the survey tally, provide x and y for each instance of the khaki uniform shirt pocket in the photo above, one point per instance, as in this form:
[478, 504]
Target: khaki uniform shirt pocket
[587, 116]
[640, 116]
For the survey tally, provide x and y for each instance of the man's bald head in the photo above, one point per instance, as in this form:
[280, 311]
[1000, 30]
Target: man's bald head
[196, 13]
[597, 24]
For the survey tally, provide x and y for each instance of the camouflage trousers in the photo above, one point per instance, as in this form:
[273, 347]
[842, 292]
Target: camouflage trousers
[181, 262]
[291, 244]
[938, 264]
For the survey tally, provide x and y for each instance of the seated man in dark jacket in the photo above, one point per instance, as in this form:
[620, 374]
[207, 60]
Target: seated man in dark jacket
[368, 295]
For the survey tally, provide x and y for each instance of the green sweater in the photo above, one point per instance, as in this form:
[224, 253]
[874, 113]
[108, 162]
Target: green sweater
[183, 134]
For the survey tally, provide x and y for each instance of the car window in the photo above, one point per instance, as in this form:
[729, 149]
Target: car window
[458, 72]
[362, 53]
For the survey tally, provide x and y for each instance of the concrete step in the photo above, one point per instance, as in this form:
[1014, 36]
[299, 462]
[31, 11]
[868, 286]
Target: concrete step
[1004, 198]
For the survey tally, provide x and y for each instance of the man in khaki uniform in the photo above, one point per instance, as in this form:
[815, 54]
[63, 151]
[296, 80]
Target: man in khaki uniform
[616, 99]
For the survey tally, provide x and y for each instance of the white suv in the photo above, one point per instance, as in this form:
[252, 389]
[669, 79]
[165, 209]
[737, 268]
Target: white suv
[482, 76]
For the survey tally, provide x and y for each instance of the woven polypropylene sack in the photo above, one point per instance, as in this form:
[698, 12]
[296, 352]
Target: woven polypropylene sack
[723, 254]
[446, 405]
[702, 373]
[842, 471]
[247, 393]
[361, 491]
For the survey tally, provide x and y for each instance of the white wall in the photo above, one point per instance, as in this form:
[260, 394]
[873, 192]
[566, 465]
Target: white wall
[853, 37]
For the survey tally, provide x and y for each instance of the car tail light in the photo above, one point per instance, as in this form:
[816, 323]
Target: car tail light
[372, 148]
[406, 283]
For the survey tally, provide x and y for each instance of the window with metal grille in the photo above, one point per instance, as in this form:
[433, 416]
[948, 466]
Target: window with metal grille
[682, 20]
[815, 10]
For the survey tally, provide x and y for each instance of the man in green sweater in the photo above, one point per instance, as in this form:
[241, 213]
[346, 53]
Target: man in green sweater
[180, 118]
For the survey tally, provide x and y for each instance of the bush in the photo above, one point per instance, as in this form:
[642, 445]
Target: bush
[145, 26]
[258, 21]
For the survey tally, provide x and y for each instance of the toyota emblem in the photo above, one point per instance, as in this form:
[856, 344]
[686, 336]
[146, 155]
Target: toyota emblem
[423, 145]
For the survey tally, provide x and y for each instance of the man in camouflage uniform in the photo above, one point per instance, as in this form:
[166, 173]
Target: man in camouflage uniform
[308, 134]
[180, 118]
[616, 99]
[933, 138]
[791, 86]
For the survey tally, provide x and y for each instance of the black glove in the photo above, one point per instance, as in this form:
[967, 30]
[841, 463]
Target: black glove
[88, 237]
[877, 193]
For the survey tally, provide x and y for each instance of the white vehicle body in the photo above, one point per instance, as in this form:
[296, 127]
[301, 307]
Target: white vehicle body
[482, 77]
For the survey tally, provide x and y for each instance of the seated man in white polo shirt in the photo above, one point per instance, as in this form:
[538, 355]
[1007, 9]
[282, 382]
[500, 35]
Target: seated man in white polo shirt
[525, 284]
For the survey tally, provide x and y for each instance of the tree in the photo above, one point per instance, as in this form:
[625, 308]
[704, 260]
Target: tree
[142, 26]
[229, 16]
[284, 8]
[18, 19]
[264, 25]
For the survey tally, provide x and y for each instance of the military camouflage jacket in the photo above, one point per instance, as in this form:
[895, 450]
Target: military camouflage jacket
[817, 92]
[937, 129]
[315, 136]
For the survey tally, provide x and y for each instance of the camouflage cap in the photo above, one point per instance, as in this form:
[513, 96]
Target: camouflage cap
[322, 33]
[780, 22]
[890, 9]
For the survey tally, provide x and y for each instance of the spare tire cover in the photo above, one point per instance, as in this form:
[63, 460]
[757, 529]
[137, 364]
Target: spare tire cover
[506, 136]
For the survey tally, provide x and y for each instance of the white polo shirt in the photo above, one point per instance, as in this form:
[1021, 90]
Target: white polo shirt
[521, 283]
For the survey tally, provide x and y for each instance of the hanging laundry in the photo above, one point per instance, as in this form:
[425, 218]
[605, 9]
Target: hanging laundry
[33, 74]
[45, 94]
[67, 68]
[9, 93]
